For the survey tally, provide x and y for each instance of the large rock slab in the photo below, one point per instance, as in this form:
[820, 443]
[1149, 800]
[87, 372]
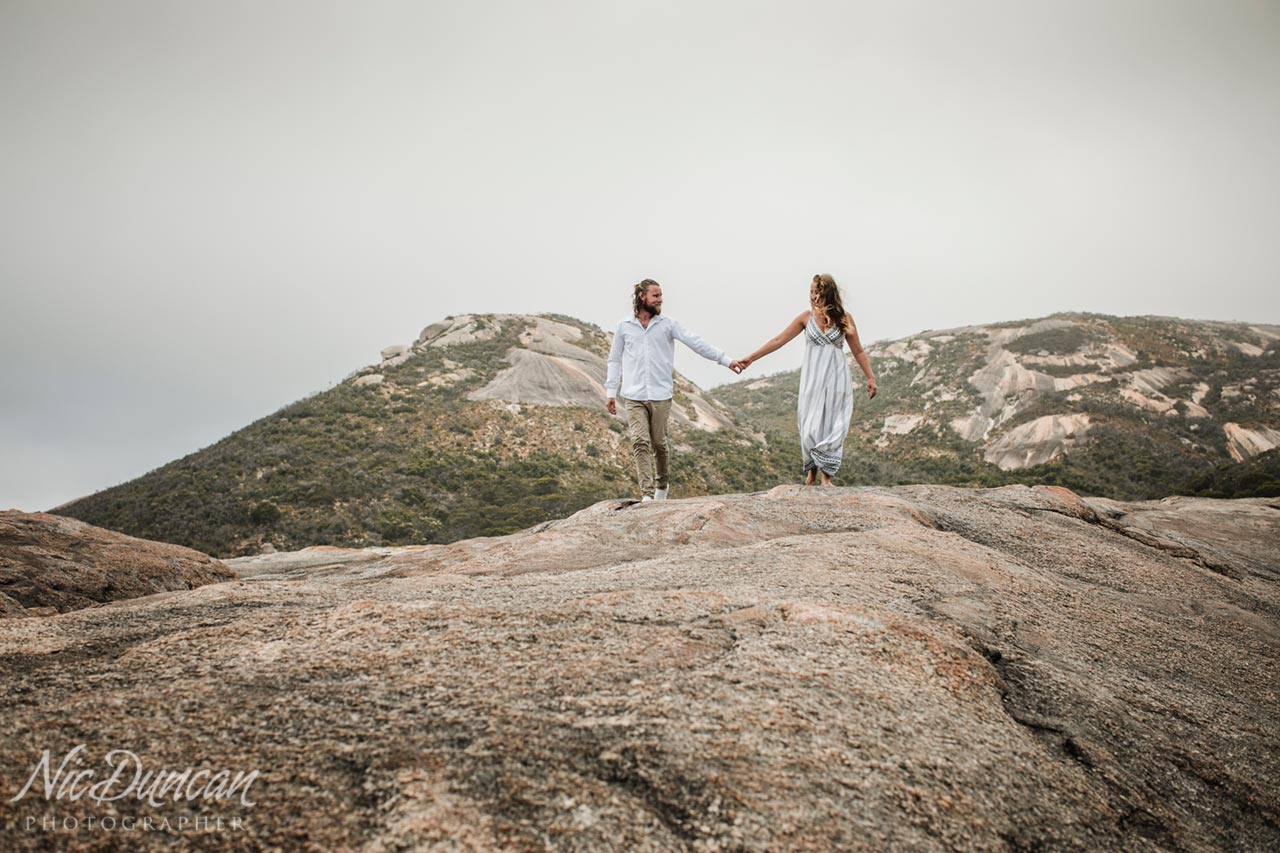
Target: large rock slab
[917, 668]
[1036, 442]
[54, 562]
[1245, 443]
[547, 380]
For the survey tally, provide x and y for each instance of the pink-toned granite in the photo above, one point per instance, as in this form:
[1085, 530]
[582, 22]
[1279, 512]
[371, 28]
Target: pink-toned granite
[915, 668]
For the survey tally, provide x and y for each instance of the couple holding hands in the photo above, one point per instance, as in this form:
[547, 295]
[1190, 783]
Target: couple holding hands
[641, 364]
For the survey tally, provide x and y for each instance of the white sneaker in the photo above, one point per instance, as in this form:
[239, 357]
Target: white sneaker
[645, 498]
[659, 494]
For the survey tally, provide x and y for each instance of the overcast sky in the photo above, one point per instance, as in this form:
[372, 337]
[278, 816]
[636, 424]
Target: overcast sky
[211, 209]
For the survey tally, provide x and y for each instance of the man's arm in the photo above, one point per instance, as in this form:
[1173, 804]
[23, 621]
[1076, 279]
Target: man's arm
[613, 375]
[698, 345]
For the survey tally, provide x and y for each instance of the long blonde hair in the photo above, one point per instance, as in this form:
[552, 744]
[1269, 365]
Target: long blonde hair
[829, 304]
[638, 294]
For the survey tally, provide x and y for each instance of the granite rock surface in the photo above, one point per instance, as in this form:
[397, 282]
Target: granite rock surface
[50, 563]
[911, 668]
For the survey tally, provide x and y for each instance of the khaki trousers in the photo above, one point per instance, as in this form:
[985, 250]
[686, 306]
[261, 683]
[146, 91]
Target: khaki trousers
[647, 429]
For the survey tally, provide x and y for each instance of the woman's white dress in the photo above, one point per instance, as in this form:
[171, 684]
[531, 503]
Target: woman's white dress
[826, 398]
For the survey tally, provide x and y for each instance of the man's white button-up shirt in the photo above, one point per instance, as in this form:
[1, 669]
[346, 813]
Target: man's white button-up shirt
[642, 359]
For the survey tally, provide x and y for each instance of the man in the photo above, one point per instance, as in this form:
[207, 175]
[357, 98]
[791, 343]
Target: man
[641, 363]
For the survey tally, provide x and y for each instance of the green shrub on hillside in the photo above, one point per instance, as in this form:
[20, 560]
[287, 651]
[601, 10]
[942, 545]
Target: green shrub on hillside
[1258, 477]
[1062, 341]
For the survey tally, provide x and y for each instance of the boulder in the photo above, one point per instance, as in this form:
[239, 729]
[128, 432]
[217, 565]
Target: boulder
[1037, 441]
[547, 380]
[464, 329]
[973, 427]
[1245, 442]
[395, 356]
[901, 424]
[49, 561]
[394, 350]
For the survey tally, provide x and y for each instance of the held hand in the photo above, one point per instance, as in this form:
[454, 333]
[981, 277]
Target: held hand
[612, 405]
[871, 389]
[740, 365]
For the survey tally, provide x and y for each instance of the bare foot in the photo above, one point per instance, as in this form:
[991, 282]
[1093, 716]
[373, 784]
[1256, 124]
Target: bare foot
[810, 478]
[826, 481]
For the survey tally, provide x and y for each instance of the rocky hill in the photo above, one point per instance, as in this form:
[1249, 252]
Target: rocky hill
[910, 668]
[482, 426]
[1126, 407]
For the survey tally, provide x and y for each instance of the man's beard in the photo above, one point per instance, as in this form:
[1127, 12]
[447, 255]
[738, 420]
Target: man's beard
[655, 310]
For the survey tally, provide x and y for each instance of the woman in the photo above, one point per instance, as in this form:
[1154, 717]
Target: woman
[826, 391]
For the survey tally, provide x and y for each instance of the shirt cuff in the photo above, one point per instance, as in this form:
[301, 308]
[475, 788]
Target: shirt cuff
[725, 361]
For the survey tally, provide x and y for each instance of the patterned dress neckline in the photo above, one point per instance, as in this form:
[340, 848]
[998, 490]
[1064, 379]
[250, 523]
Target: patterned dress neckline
[832, 336]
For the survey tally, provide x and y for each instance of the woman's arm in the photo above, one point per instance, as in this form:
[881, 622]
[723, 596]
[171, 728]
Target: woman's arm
[860, 355]
[779, 340]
